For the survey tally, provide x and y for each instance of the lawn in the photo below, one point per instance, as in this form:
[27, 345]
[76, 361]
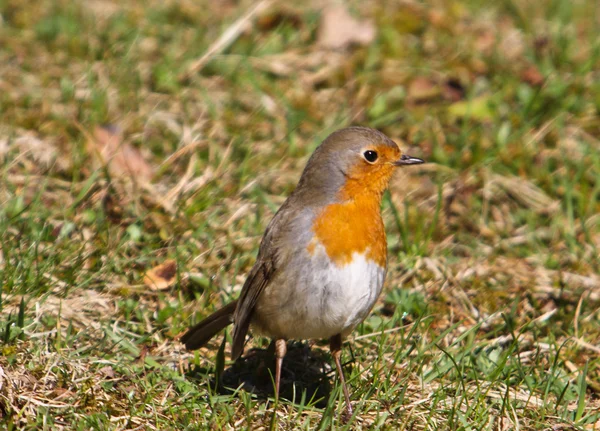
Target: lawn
[144, 147]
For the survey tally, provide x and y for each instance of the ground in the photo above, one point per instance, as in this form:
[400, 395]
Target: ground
[144, 147]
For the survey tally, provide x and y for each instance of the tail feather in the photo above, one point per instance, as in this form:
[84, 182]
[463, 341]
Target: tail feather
[201, 333]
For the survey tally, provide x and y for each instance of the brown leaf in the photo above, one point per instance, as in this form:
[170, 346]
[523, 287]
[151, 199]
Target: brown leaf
[161, 277]
[339, 30]
[107, 372]
[532, 76]
[122, 159]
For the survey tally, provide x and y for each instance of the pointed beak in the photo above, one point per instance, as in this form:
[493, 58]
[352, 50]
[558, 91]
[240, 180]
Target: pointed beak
[408, 160]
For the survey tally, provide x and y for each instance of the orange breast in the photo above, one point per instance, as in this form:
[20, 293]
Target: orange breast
[353, 226]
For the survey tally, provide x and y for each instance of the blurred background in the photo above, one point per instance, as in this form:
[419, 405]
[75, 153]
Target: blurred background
[144, 147]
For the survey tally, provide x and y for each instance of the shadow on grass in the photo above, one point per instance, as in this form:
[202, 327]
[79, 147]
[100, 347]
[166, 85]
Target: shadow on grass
[305, 371]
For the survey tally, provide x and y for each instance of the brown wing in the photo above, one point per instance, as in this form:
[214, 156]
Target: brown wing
[257, 281]
[270, 258]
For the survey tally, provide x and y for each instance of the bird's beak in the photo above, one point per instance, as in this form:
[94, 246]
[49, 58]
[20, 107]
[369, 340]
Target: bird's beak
[408, 160]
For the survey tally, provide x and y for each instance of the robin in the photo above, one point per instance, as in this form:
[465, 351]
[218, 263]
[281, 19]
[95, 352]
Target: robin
[322, 260]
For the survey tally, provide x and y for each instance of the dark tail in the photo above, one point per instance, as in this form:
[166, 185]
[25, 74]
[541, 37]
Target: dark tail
[201, 333]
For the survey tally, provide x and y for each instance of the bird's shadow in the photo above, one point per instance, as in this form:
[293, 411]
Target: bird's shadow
[305, 374]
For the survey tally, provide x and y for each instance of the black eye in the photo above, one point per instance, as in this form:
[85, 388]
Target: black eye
[370, 156]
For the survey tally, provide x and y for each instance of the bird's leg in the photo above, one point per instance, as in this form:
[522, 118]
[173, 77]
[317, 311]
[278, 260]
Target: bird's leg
[280, 350]
[335, 344]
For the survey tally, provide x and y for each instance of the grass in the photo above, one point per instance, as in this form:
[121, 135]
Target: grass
[114, 159]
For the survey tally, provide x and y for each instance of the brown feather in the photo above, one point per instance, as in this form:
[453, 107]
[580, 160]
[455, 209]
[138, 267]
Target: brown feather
[267, 263]
[201, 333]
[259, 278]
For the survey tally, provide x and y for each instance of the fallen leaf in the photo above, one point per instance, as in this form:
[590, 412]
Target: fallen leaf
[122, 159]
[339, 30]
[532, 76]
[161, 277]
[107, 372]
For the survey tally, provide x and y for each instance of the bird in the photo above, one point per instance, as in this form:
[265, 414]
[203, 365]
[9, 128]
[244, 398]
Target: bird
[322, 260]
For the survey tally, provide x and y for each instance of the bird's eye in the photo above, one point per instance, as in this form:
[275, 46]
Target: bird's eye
[370, 156]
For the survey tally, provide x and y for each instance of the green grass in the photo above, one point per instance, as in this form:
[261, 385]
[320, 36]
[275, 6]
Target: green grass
[490, 318]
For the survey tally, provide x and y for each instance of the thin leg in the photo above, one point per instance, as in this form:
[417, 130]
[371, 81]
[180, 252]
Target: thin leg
[335, 344]
[280, 350]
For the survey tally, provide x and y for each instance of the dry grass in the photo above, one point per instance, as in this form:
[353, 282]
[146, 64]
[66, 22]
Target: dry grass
[134, 136]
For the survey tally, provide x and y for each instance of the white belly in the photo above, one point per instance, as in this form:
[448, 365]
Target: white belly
[322, 301]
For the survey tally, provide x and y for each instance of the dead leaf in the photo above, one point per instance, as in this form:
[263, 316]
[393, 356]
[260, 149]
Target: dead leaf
[122, 159]
[532, 76]
[161, 277]
[107, 372]
[339, 30]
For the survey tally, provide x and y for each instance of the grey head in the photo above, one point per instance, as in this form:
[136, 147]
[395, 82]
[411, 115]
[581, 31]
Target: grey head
[347, 154]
